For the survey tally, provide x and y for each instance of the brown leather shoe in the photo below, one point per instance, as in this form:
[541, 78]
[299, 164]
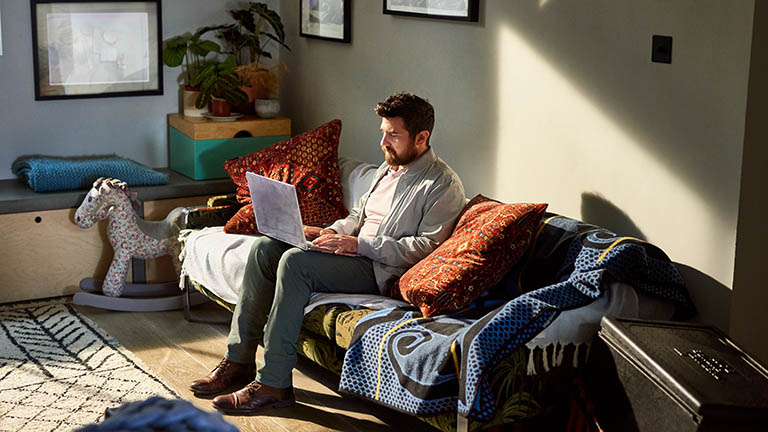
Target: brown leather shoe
[254, 398]
[225, 377]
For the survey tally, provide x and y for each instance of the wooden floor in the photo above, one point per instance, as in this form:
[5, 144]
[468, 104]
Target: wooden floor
[180, 352]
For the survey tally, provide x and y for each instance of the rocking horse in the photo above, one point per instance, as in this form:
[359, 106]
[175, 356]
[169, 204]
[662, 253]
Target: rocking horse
[131, 237]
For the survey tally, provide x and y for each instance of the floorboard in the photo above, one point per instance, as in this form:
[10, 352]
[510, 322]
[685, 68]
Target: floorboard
[180, 352]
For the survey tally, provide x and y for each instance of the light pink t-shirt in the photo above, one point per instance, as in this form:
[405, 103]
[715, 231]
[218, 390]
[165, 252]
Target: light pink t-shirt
[378, 204]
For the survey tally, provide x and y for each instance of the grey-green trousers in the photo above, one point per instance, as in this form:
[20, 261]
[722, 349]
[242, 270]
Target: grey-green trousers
[277, 284]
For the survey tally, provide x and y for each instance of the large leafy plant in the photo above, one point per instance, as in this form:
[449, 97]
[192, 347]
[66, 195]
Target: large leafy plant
[218, 79]
[191, 50]
[255, 27]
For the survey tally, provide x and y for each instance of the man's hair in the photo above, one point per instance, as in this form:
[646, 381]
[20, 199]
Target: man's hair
[417, 113]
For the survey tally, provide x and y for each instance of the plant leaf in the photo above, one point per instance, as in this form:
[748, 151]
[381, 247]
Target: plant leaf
[272, 18]
[245, 18]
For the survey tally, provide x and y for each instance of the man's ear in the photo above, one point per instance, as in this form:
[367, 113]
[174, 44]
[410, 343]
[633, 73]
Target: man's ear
[421, 138]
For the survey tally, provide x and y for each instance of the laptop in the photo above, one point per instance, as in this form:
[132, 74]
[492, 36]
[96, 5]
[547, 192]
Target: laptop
[276, 209]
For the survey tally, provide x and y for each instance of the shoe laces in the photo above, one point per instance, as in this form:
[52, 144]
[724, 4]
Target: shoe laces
[223, 365]
[252, 387]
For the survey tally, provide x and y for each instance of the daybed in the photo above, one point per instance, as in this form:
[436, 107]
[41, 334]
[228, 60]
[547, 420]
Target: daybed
[511, 357]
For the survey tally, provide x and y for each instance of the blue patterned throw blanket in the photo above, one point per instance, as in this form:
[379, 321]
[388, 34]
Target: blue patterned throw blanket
[49, 173]
[426, 366]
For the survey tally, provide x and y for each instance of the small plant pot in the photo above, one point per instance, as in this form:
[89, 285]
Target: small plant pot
[220, 107]
[266, 108]
[189, 97]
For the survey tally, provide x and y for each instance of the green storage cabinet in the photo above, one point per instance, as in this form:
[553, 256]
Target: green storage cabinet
[199, 147]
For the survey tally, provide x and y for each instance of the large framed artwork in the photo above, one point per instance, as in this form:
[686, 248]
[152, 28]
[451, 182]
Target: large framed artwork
[325, 19]
[460, 10]
[106, 48]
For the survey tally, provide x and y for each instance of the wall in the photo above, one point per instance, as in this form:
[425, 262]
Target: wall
[557, 101]
[750, 273]
[133, 127]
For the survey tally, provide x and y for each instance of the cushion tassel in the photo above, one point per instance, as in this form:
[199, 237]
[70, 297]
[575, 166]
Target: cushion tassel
[545, 359]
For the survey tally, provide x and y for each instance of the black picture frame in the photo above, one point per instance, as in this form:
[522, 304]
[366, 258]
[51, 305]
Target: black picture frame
[96, 48]
[470, 11]
[326, 19]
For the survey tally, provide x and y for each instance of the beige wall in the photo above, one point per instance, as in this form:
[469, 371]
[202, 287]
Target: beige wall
[557, 101]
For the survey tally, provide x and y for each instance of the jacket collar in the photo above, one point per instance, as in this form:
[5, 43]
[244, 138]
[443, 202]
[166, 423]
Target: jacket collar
[421, 163]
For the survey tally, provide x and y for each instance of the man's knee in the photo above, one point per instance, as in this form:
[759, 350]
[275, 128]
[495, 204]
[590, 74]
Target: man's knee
[294, 259]
[294, 263]
[265, 249]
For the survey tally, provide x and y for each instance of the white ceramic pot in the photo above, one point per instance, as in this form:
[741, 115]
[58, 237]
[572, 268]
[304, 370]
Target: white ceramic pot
[266, 108]
[189, 97]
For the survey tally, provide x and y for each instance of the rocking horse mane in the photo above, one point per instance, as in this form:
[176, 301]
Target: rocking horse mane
[122, 186]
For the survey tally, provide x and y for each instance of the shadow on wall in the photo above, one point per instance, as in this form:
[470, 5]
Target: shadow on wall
[712, 299]
[597, 210]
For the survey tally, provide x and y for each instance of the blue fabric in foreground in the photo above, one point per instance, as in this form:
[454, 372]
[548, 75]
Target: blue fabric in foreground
[47, 173]
[159, 414]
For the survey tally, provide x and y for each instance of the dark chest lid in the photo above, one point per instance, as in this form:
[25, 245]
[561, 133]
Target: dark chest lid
[697, 365]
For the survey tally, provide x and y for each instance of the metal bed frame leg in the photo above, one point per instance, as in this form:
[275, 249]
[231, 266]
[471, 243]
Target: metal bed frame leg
[187, 300]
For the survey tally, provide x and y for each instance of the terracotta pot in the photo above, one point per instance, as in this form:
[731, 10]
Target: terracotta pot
[252, 92]
[220, 107]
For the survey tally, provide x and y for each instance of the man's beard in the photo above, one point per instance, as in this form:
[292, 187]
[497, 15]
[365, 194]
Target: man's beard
[402, 159]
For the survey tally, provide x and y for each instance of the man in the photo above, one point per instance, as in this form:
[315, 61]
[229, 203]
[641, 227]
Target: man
[408, 211]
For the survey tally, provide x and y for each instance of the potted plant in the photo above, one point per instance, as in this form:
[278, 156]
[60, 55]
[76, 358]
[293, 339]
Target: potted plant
[190, 50]
[256, 26]
[219, 85]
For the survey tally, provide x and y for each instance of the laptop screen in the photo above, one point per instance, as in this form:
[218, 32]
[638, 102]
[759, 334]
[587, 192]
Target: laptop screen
[276, 209]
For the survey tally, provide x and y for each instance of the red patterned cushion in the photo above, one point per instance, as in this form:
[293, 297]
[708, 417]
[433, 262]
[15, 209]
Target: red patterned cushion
[309, 161]
[489, 239]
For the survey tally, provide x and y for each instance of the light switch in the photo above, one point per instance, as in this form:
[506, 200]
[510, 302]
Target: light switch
[661, 49]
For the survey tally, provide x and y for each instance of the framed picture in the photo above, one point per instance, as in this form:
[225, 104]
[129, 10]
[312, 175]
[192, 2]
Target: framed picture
[460, 10]
[87, 49]
[325, 19]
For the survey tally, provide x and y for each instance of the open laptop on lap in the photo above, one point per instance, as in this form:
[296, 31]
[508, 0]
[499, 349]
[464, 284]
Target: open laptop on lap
[276, 209]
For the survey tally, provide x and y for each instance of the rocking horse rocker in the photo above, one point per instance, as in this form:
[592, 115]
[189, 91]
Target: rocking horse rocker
[131, 237]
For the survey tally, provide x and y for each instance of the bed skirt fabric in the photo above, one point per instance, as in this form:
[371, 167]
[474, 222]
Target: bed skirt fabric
[50, 173]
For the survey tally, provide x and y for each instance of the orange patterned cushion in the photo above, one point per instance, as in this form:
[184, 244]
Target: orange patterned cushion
[309, 161]
[489, 239]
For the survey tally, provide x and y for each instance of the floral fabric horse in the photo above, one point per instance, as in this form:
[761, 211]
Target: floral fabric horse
[130, 235]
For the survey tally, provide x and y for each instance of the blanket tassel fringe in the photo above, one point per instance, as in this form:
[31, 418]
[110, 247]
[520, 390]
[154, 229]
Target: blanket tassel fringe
[557, 356]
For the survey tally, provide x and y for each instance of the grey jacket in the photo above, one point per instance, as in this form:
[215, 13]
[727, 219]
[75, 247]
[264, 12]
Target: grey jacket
[428, 198]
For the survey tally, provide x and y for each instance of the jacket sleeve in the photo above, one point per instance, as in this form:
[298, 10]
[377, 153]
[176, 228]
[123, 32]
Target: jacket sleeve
[441, 208]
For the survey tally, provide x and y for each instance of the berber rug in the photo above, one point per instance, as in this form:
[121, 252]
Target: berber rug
[59, 371]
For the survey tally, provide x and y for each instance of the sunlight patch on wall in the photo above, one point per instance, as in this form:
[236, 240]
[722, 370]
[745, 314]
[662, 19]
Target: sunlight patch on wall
[554, 144]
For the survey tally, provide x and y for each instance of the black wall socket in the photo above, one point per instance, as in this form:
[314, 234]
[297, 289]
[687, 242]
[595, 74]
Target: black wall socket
[661, 49]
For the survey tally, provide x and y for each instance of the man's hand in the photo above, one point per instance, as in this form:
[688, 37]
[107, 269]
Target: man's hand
[344, 244]
[312, 233]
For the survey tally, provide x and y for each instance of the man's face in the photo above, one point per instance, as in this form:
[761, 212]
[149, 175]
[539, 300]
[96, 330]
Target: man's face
[398, 146]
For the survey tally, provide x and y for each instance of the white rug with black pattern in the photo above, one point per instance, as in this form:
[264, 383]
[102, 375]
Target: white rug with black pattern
[58, 371]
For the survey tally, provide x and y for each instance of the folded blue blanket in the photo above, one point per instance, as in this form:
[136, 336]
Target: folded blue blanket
[48, 173]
